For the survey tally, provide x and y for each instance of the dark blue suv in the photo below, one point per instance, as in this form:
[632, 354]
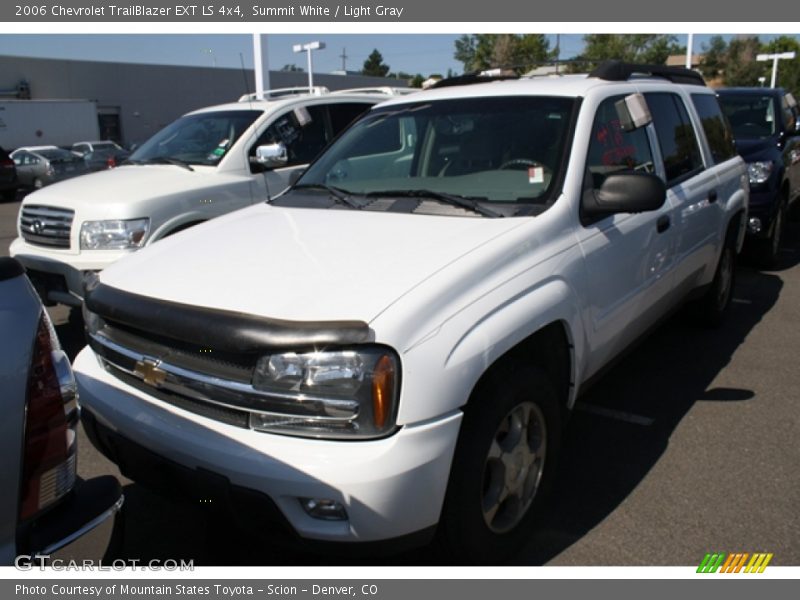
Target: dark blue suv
[766, 129]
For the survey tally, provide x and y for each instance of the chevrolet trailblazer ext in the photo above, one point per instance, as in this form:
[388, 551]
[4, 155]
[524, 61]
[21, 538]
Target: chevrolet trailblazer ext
[392, 347]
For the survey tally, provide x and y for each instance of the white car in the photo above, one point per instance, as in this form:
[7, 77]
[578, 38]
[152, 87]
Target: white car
[393, 345]
[44, 506]
[203, 165]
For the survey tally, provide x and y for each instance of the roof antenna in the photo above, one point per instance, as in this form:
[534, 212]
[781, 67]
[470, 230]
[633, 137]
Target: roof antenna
[244, 76]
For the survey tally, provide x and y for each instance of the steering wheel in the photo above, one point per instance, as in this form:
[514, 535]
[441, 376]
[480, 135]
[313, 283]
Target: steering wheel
[521, 162]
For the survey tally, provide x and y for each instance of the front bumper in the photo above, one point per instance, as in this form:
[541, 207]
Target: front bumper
[390, 488]
[763, 206]
[58, 274]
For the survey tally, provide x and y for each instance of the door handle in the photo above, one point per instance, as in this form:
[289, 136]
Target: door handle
[712, 196]
[663, 223]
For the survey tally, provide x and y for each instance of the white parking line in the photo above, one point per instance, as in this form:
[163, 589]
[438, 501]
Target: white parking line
[619, 415]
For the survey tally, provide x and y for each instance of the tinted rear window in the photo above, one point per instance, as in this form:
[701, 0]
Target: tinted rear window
[715, 126]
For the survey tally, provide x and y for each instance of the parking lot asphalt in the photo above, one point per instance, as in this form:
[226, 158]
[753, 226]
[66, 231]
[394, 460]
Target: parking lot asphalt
[690, 444]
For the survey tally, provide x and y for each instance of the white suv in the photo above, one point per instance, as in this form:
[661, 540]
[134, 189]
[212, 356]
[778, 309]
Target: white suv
[396, 342]
[203, 165]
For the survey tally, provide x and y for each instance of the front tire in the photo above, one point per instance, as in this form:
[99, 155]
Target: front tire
[503, 466]
[769, 248]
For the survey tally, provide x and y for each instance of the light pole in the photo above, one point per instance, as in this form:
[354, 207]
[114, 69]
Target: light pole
[775, 58]
[308, 48]
[210, 52]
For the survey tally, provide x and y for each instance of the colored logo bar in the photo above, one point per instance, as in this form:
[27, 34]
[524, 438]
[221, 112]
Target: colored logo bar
[734, 562]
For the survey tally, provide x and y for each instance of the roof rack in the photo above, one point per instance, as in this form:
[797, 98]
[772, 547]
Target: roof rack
[616, 70]
[384, 90]
[316, 90]
[476, 77]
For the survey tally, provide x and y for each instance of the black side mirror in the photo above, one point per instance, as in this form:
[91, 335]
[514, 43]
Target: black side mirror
[624, 193]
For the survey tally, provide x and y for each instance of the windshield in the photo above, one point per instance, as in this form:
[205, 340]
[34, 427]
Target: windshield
[496, 150]
[750, 116]
[200, 139]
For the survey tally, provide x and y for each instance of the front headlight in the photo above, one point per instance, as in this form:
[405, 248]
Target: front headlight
[340, 394]
[114, 234]
[759, 171]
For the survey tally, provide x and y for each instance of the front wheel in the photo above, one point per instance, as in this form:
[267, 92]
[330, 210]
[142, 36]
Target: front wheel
[769, 248]
[504, 465]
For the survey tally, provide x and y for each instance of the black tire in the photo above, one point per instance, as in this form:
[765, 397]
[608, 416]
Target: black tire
[712, 308]
[37, 184]
[468, 531]
[9, 195]
[768, 249]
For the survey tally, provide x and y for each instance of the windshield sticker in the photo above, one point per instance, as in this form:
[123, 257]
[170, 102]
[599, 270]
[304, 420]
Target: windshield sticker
[536, 175]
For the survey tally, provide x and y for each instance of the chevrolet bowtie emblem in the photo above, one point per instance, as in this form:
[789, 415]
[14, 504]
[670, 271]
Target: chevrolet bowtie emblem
[149, 372]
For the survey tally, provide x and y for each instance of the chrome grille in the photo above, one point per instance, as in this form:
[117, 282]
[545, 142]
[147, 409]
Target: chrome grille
[46, 225]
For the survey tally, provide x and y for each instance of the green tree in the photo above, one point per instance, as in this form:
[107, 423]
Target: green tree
[374, 65]
[788, 70]
[416, 81]
[291, 68]
[637, 48]
[715, 56]
[466, 50]
[741, 67]
[486, 51]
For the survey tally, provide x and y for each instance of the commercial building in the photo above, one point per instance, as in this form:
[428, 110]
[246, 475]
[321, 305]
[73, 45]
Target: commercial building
[136, 100]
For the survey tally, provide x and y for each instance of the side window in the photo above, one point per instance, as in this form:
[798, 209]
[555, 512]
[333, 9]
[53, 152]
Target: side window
[716, 127]
[611, 149]
[19, 158]
[303, 141]
[676, 136]
[344, 114]
[386, 137]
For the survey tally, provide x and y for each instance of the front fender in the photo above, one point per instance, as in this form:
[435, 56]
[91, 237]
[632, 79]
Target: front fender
[466, 346]
[176, 222]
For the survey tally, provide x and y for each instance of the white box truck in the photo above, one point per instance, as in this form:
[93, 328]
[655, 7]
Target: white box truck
[47, 122]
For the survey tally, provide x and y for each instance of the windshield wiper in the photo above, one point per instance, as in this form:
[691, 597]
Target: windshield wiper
[342, 196]
[470, 203]
[160, 160]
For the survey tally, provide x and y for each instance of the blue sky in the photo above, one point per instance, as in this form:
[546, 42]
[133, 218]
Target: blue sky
[413, 53]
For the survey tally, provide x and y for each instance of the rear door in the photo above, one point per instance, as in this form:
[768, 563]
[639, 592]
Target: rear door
[26, 164]
[692, 188]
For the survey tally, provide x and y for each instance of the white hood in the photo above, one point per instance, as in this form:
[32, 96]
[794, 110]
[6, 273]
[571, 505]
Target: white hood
[114, 193]
[302, 264]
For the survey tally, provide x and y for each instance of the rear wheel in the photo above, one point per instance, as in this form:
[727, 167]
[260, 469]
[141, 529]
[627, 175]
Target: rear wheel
[9, 195]
[37, 184]
[713, 306]
[504, 465]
